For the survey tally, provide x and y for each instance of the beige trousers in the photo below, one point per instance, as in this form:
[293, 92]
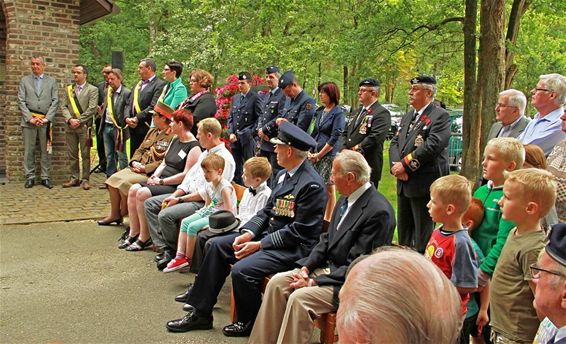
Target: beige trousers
[76, 139]
[286, 315]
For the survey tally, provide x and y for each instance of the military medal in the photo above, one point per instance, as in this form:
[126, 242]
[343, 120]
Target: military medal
[363, 127]
[419, 141]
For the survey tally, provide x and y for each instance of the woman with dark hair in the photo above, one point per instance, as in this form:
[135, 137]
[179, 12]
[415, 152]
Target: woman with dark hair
[182, 154]
[144, 162]
[329, 124]
[174, 92]
[201, 102]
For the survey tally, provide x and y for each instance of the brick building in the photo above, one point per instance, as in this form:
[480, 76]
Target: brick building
[49, 28]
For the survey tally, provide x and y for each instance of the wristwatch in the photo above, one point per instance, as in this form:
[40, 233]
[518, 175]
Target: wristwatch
[161, 182]
[181, 200]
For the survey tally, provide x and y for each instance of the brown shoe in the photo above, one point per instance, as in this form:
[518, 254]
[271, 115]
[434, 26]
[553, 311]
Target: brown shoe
[71, 183]
[85, 185]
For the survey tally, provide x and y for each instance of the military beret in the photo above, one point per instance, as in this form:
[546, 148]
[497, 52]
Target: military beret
[163, 109]
[369, 82]
[244, 76]
[556, 247]
[424, 79]
[290, 134]
[286, 79]
[271, 69]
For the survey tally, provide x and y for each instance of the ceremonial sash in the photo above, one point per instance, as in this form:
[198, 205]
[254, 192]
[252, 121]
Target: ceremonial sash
[164, 93]
[137, 96]
[41, 115]
[74, 102]
[110, 108]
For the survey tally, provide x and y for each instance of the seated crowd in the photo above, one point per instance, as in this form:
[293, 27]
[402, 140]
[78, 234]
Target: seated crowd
[492, 270]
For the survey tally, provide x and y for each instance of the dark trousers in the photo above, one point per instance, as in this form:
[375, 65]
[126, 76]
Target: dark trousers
[204, 240]
[247, 277]
[414, 225]
[100, 144]
[242, 151]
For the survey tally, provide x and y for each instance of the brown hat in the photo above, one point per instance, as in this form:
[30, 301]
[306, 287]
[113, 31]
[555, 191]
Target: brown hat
[163, 109]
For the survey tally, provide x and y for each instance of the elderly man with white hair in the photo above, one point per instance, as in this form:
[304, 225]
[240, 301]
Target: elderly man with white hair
[510, 115]
[548, 98]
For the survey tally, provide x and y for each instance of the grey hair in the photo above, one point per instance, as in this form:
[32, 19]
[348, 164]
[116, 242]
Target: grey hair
[149, 63]
[354, 162]
[516, 99]
[557, 83]
[118, 73]
[299, 153]
[39, 57]
[404, 295]
[431, 87]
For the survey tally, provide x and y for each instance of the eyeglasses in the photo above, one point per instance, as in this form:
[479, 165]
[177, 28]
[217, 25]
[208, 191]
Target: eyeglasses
[166, 69]
[157, 114]
[535, 270]
[535, 90]
[499, 105]
[362, 90]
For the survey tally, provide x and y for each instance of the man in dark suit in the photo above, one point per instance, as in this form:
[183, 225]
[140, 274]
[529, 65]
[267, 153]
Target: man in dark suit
[79, 107]
[241, 124]
[419, 155]
[98, 120]
[269, 108]
[510, 115]
[143, 99]
[38, 100]
[362, 221]
[117, 100]
[278, 235]
[367, 129]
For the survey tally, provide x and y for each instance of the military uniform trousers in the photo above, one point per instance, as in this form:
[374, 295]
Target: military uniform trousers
[162, 223]
[247, 277]
[286, 315]
[30, 138]
[76, 139]
[242, 150]
[414, 224]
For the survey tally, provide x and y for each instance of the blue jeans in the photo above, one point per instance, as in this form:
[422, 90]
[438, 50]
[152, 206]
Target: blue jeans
[109, 133]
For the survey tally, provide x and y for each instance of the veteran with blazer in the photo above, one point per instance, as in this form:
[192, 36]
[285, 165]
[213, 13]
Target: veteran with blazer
[37, 100]
[362, 221]
[367, 129]
[419, 155]
[299, 108]
[79, 107]
[509, 114]
[117, 101]
[269, 108]
[143, 98]
[283, 232]
[241, 124]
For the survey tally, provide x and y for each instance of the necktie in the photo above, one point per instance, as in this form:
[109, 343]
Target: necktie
[360, 116]
[252, 191]
[79, 88]
[36, 84]
[413, 121]
[343, 208]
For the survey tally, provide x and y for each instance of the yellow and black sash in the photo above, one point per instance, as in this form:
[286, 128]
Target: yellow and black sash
[41, 115]
[110, 108]
[74, 102]
[137, 97]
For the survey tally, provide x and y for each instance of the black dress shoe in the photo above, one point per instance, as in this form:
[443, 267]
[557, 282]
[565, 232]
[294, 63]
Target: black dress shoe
[104, 222]
[238, 329]
[190, 322]
[29, 183]
[47, 183]
[162, 263]
[184, 297]
[189, 308]
[158, 258]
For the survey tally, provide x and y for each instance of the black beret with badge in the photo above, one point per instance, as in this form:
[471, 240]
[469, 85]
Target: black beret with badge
[556, 247]
[271, 69]
[290, 134]
[244, 76]
[423, 79]
[369, 82]
[286, 79]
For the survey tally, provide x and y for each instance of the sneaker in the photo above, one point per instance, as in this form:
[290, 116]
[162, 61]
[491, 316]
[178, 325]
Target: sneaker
[176, 264]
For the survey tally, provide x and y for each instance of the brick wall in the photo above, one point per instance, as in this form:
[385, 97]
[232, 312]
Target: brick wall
[49, 28]
[2, 98]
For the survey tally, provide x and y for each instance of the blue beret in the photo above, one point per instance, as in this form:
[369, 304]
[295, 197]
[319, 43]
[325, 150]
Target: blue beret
[556, 247]
[286, 79]
[271, 69]
[369, 82]
[244, 76]
[290, 134]
[424, 79]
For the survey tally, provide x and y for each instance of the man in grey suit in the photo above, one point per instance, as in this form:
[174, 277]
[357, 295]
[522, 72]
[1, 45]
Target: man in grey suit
[79, 106]
[143, 99]
[510, 115]
[116, 101]
[38, 100]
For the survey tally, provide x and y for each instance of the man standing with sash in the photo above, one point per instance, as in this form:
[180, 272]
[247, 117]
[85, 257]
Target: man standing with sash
[38, 100]
[79, 107]
[117, 99]
[99, 119]
[143, 99]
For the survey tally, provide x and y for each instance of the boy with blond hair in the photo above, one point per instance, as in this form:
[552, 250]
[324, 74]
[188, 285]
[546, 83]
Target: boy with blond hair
[528, 195]
[450, 246]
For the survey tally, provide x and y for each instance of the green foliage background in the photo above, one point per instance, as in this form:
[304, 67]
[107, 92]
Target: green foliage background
[390, 40]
